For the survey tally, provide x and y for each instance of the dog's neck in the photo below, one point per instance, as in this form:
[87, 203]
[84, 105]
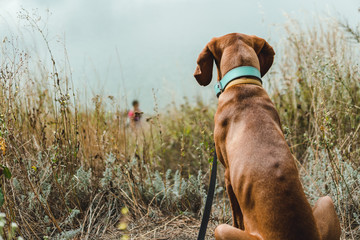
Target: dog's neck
[243, 80]
[238, 92]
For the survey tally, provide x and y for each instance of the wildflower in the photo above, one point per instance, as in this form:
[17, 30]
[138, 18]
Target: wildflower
[124, 211]
[125, 237]
[2, 145]
[122, 226]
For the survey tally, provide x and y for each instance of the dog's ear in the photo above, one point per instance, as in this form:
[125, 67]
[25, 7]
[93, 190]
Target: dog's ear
[204, 68]
[265, 54]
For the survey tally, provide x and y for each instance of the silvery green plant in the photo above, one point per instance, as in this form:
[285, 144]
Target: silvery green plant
[340, 180]
[11, 234]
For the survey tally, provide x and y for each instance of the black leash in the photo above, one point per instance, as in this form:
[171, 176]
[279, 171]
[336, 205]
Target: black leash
[209, 199]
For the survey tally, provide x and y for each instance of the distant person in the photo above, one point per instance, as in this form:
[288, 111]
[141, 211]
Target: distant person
[135, 114]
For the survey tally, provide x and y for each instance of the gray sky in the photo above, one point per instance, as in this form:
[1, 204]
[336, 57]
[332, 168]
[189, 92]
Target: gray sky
[140, 45]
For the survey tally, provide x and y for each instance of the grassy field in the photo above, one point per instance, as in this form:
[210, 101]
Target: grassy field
[75, 171]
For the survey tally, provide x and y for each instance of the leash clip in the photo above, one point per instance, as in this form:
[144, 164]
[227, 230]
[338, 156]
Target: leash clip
[219, 87]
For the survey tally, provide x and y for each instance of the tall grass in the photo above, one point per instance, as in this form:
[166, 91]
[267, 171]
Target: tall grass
[76, 168]
[318, 99]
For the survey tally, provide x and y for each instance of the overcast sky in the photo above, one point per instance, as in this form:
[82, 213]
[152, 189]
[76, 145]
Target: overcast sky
[140, 45]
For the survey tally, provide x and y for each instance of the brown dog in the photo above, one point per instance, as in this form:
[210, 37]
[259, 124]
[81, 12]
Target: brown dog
[262, 180]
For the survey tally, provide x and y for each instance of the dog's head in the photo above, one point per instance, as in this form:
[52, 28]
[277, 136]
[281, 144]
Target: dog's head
[231, 51]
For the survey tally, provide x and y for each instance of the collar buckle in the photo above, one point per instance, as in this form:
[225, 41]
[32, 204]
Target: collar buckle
[218, 85]
[218, 89]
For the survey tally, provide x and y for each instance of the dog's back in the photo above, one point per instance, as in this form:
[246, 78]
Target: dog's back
[263, 173]
[262, 181]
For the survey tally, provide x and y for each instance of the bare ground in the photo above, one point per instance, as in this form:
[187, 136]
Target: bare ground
[166, 227]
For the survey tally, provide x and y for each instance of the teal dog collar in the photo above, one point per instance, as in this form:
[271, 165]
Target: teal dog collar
[243, 71]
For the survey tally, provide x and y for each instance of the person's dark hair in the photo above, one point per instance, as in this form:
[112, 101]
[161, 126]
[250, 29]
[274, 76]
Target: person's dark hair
[135, 102]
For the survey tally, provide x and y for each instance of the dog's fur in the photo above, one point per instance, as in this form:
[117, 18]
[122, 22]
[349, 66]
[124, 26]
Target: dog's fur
[262, 180]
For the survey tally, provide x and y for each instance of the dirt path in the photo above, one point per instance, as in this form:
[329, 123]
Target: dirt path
[179, 227]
